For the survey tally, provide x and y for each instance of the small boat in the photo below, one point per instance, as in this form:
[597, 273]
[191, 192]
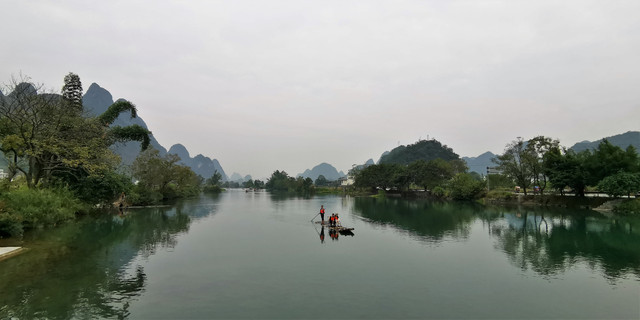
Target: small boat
[337, 228]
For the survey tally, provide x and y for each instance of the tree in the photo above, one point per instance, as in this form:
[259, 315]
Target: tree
[608, 160]
[566, 168]
[72, 91]
[620, 184]
[162, 177]
[321, 181]
[515, 163]
[534, 158]
[464, 187]
[44, 135]
[381, 176]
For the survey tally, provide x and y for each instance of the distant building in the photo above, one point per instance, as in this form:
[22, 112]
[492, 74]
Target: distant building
[346, 181]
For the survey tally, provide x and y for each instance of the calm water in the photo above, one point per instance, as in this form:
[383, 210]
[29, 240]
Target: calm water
[255, 255]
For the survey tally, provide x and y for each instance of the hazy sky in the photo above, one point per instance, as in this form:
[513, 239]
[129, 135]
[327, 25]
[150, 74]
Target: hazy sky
[270, 85]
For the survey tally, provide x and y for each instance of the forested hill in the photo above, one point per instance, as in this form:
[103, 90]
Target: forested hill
[621, 140]
[98, 99]
[421, 150]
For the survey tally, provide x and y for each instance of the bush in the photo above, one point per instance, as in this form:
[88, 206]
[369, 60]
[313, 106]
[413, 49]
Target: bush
[30, 208]
[464, 187]
[144, 196]
[103, 188]
[438, 192]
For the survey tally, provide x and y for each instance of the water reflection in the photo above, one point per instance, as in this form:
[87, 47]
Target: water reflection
[334, 233]
[86, 269]
[546, 241]
[433, 221]
[550, 242]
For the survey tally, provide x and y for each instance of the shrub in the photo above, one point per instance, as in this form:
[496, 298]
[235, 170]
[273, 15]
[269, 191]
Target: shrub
[30, 208]
[438, 192]
[464, 187]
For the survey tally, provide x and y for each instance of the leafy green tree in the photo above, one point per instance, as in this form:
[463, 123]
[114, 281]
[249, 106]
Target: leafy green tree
[464, 187]
[608, 160]
[279, 181]
[258, 184]
[321, 181]
[534, 158]
[514, 163]
[381, 176]
[162, 177]
[45, 136]
[213, 183]
[566, 168]
[620, 184]
[422, 150]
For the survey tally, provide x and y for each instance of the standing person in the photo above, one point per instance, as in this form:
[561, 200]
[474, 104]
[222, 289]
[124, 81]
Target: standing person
[322, 213]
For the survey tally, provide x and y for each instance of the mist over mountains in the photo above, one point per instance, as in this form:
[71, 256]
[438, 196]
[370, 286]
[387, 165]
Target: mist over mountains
[96, 101]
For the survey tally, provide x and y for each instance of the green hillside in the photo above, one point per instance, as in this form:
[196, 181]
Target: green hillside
[421, 150]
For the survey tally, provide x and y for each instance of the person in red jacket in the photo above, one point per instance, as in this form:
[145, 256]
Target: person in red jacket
[322, 213]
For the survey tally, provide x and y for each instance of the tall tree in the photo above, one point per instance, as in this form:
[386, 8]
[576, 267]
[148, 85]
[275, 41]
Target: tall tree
[42, 136]
[514, 163]
[534, 158]
[72, 91]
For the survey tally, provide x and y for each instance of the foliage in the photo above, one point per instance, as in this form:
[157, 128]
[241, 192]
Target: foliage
[321, 181]
[422, 150]
[439, 192]
[608, 160]
[213, 183]
[133, 132]
[381, 176]
[514, 163]
[161, 178]
[72, 91]
[29, 208]
[430, 174]
[280, 181]
[100, 188]
[620, 184]
[535, 150]
[45, 134]
[499, 181]
[464, 187]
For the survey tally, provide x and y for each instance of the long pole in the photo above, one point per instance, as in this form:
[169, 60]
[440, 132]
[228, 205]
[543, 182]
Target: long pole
[315, 216]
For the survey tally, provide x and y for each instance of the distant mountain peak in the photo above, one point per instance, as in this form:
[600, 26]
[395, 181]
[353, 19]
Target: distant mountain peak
[180, 150]
[323, 169]
[97, 99]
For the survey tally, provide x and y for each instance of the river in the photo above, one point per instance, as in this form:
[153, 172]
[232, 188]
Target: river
[257, 255]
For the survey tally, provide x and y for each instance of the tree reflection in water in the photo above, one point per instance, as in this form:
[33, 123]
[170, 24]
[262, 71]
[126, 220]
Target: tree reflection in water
[86, 269]
[546, 241]
[551, 242]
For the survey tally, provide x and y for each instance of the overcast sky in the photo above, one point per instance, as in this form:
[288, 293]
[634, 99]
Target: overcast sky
[270, 85]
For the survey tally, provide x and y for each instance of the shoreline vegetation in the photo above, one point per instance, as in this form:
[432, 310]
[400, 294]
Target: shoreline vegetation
[60, 166]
